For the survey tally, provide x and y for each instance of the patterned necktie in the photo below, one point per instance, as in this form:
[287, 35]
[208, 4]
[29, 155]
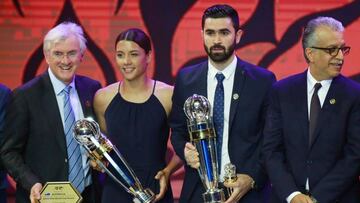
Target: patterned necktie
[76, 174]
[315, 108]
[218, 114]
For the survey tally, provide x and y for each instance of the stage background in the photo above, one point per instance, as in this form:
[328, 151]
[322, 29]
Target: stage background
[272, 33]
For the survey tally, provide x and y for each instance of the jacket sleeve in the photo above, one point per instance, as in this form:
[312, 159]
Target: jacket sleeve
[5, 95]
[273, 150]
[15, 138]
[179, 133]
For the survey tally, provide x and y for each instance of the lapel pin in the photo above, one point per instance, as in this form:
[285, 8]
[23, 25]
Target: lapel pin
[332, 101]
[235, 96]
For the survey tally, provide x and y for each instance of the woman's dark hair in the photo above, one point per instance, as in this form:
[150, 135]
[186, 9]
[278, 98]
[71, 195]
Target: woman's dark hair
[135, 35]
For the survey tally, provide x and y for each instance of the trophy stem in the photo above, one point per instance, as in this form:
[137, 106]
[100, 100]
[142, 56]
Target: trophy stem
[113, 176]
[117, 168]
[145, 196]
[132, 173]
[214, 196]
[207, 160]
[201, 177]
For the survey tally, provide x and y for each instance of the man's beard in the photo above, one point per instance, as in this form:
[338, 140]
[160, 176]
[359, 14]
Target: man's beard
[220, 56]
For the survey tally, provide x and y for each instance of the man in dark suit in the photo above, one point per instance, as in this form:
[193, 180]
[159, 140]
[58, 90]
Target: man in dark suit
[312, 134]
[245, 87]
[4, 98]
[36, 148]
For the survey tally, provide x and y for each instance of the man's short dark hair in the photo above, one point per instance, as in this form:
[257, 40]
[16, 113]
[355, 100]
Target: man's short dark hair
[221, 11]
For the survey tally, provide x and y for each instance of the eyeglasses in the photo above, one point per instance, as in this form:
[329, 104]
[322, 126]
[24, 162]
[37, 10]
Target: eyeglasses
[58, 55]
[334, 51]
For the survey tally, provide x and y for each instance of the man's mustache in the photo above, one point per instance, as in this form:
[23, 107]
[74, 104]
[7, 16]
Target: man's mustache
[217, 47]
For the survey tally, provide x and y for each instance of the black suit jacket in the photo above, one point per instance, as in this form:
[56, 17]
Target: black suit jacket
[332, 160]
[34, 148]
[246, 122]
[5, 94]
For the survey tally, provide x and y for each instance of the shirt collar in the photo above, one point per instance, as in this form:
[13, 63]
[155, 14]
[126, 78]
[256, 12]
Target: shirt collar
[58, 84]
[227, 72]
[312, 81]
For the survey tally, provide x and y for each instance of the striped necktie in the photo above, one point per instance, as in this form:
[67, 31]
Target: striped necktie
[76, 173]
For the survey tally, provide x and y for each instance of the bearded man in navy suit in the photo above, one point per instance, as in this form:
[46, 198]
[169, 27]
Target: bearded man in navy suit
[245, 90]
[312, 134]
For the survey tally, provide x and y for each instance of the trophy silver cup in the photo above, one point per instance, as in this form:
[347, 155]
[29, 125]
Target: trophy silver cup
[202, 135]
[101, 150]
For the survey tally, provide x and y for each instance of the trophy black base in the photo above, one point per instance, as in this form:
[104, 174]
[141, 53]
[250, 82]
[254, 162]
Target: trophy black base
[145, 196]
[214, 196]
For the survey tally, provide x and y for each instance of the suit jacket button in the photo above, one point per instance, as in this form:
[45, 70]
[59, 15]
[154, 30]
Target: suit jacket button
[309, 162]
[66, 160]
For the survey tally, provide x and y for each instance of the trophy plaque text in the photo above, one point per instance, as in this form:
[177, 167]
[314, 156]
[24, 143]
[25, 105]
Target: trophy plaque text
[59, 192]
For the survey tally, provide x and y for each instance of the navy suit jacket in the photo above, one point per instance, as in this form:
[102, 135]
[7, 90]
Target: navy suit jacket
[4, 98]
[331, 162]
[247, 117]
[34, 148]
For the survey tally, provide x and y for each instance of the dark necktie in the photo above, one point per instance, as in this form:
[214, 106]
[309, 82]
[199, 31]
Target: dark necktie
[315, 108]
[218, 114]
[76, 173]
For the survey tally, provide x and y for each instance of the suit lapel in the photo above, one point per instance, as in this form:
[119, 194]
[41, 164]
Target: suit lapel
[299, 97]
[51, 111]
[84, 96]
[239, 79]
[201, 84]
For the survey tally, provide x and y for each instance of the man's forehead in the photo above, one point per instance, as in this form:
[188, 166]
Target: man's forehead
[63, 50]
[218, 24]
[59, 46]
[329, 37]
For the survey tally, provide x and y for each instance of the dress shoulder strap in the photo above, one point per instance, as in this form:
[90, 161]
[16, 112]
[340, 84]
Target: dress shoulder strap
[154, 87]
[119, 86]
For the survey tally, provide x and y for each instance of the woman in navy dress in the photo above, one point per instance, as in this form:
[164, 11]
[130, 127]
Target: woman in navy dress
[133, 114]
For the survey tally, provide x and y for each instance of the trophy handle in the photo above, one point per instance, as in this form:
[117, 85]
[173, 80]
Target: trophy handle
[101, 164]
[116, 167]
[132, 173]
[206, 172]
[144, 195]
[199, 170]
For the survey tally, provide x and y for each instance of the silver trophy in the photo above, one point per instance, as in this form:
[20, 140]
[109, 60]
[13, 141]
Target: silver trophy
[230, 176]
[107, 156]
[202, 135]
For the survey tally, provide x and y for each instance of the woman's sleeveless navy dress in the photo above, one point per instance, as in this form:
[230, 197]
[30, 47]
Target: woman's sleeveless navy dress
[140, 132]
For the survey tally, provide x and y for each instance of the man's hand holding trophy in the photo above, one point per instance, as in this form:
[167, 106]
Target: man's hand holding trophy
[201, 154]
[237, 184]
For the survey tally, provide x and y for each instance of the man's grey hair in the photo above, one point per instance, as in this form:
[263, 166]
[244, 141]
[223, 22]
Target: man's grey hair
[62, 32]
[309, 38]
